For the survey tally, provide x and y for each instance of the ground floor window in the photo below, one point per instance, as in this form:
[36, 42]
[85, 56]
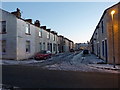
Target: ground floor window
[48, 46]
[40, 46]
[44, 46]
[28, 46]
[103, 48]
[3, 46]
[54, 47]
[51, 47]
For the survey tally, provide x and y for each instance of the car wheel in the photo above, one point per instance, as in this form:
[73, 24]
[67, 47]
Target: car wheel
[45, 58]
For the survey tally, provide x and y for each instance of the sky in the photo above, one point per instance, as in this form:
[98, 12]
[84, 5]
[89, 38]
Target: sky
[74, 20]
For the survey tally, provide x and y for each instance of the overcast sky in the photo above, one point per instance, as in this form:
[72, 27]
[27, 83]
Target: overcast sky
[76, 21]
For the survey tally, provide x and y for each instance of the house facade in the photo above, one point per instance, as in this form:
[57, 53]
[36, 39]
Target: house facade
[64, 44]
[81, 46]
[22, 39]
[105, 40]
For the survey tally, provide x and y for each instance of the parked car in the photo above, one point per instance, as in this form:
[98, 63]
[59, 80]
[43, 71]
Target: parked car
[43, 55]
[72, 50]
[85, 51]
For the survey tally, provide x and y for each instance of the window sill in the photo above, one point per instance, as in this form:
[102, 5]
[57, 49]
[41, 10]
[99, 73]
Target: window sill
[28, 52]
[40, 37]
[27, 33]
[3, 32]
[3, 53]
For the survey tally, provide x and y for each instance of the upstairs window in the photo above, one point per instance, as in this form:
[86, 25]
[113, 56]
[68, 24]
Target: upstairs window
[48, 35]
[27, 29]
[3, 27]
[40, 33]
[102, 27]
[54, 37]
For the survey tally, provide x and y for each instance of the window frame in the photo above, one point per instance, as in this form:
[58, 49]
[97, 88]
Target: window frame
[40, 33]
[29, 47]
[40, 46]
[54, 37]
[48, 35]
[27, 32]
[103, 48]
[4, 46]
[102, 27]
[5, 25]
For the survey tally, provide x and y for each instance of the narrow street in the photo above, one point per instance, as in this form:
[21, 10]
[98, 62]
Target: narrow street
[59, 44]
[72, 61]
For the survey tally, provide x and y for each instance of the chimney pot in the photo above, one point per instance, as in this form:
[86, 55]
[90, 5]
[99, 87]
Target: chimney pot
[37, 23]
[28, 20]
[17, 13]
[43, 27]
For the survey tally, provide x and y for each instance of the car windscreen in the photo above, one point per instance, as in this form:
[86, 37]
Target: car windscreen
[43, 52]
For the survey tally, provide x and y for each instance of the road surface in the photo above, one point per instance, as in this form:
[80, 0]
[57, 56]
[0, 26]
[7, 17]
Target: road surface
[35, 77]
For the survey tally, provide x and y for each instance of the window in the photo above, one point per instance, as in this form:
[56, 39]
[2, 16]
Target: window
[48, 35]
[48, 46]
[54, 47]
[103, 48]
[27, 46]
[3, 46]
[102, 27]
[3, 27]
[54, 37]
[44, 46]
[40, 33]
[40, 46]
[27, 29]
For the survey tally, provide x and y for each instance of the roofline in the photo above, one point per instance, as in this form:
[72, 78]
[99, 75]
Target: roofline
[103, 16]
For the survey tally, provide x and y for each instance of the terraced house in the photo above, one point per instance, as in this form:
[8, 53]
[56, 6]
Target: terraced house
[105, 41]
[21, 39]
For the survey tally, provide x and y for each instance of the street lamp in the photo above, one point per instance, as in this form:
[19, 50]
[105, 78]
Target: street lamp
[112, 15]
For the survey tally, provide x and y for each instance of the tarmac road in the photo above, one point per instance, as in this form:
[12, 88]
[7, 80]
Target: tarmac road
[35, 77]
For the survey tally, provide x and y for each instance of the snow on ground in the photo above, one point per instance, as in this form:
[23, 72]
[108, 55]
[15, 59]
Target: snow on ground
[17, 62]
[74, 61]
[105, 66]
[77, 63]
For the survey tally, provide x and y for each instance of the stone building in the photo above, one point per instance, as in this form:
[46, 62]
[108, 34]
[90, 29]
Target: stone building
[105, 40]
[21, 39]
[81, 46]
[64, 44]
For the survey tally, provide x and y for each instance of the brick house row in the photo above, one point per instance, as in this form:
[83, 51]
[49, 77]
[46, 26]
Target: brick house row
[105, 41]
[21, 39]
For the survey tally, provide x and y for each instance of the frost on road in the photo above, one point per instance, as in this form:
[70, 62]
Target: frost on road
[74, 62]
[70, 61]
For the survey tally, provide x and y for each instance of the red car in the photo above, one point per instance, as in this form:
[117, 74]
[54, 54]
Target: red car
[43, 55]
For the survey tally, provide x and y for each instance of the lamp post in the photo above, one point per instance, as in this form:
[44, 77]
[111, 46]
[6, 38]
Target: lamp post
[112, 15]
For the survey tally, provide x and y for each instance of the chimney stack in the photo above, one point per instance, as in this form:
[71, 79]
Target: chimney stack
[37, 23]
[43, 27]
[28, 20]
[17, 13]
[48, 30]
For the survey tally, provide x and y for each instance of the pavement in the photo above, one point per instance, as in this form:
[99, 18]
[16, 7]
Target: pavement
[105, 66]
